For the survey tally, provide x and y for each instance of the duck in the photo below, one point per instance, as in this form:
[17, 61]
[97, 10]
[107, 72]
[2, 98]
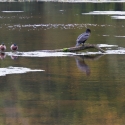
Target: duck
[2, 47]
[83, 37]
[14, 47]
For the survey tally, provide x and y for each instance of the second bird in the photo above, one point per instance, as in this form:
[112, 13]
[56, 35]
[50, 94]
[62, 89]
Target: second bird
[14, 47]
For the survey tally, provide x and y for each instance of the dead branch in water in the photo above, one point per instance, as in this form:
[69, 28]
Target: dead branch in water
[76, 48]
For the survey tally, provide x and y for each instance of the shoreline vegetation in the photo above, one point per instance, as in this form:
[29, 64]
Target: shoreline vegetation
[70, 1]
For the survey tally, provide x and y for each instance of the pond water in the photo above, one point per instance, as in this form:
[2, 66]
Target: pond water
[83, 88]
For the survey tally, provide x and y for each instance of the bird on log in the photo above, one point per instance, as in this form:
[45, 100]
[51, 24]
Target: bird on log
[83, 37]
[80, 44]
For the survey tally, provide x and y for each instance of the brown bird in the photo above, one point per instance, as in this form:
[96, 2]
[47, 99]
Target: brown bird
[14, 47]
[2, 47]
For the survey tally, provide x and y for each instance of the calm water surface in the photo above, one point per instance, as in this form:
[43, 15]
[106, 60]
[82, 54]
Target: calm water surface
[68, 90]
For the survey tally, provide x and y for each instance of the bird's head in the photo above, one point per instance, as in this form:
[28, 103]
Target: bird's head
[88, 31]
[3, 44]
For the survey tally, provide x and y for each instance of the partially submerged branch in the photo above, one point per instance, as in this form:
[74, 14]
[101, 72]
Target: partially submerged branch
[74, 49]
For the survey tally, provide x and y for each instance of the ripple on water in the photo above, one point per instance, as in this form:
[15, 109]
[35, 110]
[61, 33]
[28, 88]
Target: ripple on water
[12, 11]
[118, 17]
[118, 14]
[54, 26]
[17, 70]
[119, 36]
[105, 13]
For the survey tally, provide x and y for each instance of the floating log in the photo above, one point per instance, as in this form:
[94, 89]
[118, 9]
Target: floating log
[76, 48]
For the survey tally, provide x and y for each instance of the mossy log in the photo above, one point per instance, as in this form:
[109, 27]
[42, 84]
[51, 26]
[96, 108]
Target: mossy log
[78, 48]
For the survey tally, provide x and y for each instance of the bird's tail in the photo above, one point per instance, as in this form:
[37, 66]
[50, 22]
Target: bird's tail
[77, 44]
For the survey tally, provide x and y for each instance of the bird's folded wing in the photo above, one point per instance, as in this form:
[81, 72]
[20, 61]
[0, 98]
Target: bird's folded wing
[82, 37]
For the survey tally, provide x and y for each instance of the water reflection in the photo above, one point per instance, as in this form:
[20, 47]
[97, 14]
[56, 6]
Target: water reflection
[81, 64]
[14, 57]
[106, 13]
[61, 95]
[12, 11]
[2, 56]
[16, 70]
[118, 17]
[53, 26]
[11, 111]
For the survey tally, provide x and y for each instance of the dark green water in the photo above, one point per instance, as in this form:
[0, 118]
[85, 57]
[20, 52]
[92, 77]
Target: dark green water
[73, 90]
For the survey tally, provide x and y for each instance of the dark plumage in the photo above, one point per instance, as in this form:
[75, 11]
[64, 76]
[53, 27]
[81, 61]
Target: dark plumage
[83, 37]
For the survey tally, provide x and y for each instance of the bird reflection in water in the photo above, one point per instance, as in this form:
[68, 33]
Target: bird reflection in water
[14, 57]
[80, 62]
[2, 55]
